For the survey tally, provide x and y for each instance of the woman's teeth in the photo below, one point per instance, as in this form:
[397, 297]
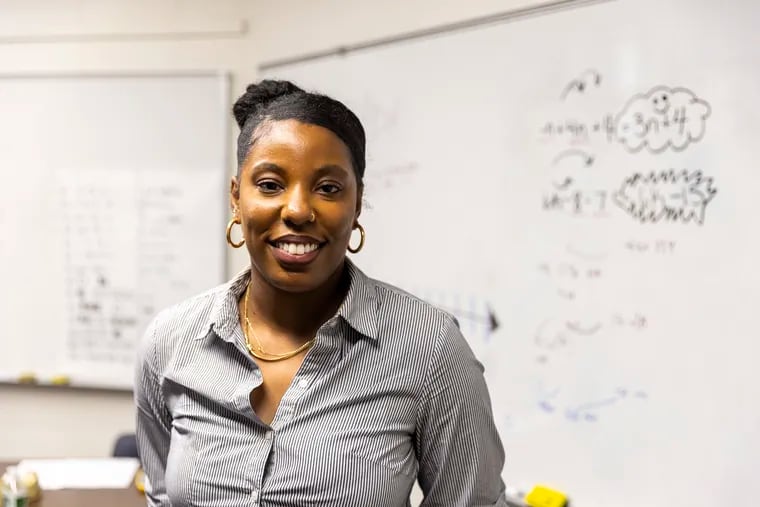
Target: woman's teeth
[297, 248]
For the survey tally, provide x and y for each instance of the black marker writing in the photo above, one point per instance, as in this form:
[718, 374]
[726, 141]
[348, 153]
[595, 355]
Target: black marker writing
[662, 118]
[666, 195]
[586, 158]
[580, 84]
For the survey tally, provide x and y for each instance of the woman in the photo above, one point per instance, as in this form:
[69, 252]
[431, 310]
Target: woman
[302, 381]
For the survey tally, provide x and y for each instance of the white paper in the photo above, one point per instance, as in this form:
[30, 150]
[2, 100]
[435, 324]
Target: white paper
[81, 473]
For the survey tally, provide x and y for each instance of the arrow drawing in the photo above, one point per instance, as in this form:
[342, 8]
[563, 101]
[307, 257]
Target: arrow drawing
[588, 160]
[580, 83]
[489, 319]
[576, 327]
[591, 256]
[561, 186]
[474, 315]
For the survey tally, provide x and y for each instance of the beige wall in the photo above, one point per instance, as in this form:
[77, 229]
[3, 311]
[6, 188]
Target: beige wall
[164, 35]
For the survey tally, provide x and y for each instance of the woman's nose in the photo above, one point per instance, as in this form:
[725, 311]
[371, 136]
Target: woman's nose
[297, 208]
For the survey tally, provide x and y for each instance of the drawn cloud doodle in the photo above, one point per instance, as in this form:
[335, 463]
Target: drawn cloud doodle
[666, 195]
[662, 118]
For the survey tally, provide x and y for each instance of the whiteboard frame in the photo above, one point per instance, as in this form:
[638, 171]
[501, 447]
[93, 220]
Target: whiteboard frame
[490, 19]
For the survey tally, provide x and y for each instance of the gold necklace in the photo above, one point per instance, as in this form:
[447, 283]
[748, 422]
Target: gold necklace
[257, 350]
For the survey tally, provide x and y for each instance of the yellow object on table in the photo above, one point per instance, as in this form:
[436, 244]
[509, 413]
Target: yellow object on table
[32, 485]
[140, 480]
[18, 488]
[541, 496]
[60, 380]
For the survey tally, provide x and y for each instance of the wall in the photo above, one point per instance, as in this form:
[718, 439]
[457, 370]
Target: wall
[144, 35]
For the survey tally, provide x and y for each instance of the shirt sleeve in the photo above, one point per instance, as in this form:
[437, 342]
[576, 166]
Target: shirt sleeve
[458, 447]
[153, 425]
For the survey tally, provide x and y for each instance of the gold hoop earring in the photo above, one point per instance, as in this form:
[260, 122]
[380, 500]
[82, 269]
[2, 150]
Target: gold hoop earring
[361, 240]
[233, 221]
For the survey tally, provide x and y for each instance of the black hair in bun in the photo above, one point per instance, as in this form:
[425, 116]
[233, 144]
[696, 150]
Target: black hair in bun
[259, 95]
[271, 100]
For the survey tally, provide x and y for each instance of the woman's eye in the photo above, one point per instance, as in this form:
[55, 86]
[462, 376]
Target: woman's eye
[329, 188]
[268, 187]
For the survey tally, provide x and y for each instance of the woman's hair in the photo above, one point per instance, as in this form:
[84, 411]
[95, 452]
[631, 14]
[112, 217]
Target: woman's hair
[282, 100]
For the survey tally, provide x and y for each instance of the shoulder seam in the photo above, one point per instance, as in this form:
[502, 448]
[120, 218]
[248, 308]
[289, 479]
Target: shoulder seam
[427, 396]
[408, 296]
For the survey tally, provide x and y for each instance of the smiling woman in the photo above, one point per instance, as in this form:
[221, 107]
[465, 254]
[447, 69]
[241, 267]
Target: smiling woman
[296, 190]
[302, 381]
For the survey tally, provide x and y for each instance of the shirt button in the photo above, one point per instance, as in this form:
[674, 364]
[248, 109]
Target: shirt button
[255, 495]
[303, 383]
[268, 435]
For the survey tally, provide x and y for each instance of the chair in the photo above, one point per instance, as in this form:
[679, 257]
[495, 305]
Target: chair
[126, 446]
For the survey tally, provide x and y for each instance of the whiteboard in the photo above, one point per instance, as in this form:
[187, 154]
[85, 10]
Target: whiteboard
[580, 189]
[111, 208]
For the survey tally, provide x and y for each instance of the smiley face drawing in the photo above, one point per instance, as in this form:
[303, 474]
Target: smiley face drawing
[661, 102]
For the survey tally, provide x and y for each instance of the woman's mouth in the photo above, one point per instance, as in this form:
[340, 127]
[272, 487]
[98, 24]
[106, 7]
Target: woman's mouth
[295, 253]
[296, 248]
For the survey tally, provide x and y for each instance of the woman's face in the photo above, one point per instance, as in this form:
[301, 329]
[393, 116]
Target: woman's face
[298, 199]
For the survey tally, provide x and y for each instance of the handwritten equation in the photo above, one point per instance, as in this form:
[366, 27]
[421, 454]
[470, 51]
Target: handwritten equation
[666, 195]
[670, 196]
[567, 275]
[658, 246]
[662, 118]
[554, 334]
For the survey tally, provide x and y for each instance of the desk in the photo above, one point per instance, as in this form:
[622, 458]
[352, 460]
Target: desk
[129, 497]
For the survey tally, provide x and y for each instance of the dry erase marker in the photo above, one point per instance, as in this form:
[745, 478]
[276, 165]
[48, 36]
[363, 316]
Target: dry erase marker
[541, 496]
[27, 378]
[60, 380]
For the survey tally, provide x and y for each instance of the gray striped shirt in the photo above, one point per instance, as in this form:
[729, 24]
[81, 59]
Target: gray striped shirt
[390, 392]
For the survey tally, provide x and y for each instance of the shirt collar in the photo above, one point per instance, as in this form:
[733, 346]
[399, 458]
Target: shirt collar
[361, 305]
[358, 309]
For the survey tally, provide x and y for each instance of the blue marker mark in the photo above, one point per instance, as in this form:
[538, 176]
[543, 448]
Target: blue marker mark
[582, 411]
[586, 411]
[544, 404]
